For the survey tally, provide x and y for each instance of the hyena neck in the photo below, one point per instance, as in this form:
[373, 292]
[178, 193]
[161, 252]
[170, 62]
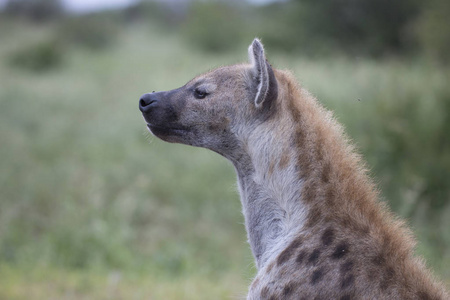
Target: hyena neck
[299, 175]
[269, 209]
[307, 188]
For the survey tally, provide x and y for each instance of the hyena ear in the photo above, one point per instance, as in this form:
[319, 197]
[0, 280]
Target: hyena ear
[262, 74]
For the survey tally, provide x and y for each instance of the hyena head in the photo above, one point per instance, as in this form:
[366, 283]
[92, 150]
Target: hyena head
[217, 109]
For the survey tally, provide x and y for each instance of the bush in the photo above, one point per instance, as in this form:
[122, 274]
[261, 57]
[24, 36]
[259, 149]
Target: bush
[92, 32]
[433, 30]
[213, 27]
[39, 56]
[36, 10]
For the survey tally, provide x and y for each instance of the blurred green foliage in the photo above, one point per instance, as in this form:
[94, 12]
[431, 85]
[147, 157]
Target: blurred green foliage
[94, 32]
[213, 26]
[433, 29]
[93, 207]
[37, 56]
[373, 27]
[35, 10]
[376, 28]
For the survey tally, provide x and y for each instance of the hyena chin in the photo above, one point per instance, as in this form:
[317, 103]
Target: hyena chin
[314, 222]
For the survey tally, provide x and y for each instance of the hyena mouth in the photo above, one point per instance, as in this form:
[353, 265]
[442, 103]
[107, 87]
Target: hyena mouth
[165, 131]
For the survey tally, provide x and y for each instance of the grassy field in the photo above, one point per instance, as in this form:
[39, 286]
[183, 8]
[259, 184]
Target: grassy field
[93, 207]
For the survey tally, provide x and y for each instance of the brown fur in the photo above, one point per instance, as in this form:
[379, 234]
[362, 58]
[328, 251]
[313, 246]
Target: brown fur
[376, 246]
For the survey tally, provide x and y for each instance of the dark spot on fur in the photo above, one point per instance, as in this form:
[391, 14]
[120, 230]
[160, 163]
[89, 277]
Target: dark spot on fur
[330, 195]
[378, 260]
[328, 237]
[289, 251]
[364, 229]
[341, 250]
[301, 256]
[320, 152]
[347, 281]
[258, 256]
[284, 161]
[269, 268]
[346, 267]
[424, 295]
[313, 217]
[316, 276]
[310, 191]
[326, 172]
[255, 282]
[271, 168]
[387, 278]
[292, 108]
[265, 292]
[345, 297]
[288, 289]
[314, 257]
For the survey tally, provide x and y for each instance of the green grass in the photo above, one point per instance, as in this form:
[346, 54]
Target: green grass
[93, 207]
[68, 284]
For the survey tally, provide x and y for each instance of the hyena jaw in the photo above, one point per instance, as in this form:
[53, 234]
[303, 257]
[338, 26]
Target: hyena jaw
[315, 225]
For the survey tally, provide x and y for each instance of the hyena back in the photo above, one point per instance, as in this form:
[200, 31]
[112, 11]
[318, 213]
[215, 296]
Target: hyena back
[315, 225]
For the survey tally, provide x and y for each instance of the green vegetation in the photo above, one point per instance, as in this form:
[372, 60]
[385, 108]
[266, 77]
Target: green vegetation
[373, 28]
[93, 207]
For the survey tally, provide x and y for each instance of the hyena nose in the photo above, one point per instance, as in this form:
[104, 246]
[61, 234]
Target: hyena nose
[146, 101]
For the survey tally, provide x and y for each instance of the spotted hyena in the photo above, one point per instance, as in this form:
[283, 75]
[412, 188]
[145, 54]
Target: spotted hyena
[315, 225]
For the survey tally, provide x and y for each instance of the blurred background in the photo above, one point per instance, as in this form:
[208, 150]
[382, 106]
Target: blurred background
[93, 207]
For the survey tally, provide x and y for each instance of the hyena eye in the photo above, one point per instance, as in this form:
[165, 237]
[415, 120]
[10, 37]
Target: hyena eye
[199, 93]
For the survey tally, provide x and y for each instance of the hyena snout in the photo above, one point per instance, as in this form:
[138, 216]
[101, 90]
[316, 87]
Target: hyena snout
[160, 109]
[161, 112]
[148, 101]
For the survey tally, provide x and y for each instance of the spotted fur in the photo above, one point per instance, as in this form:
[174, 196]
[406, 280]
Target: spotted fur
[315, 225]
